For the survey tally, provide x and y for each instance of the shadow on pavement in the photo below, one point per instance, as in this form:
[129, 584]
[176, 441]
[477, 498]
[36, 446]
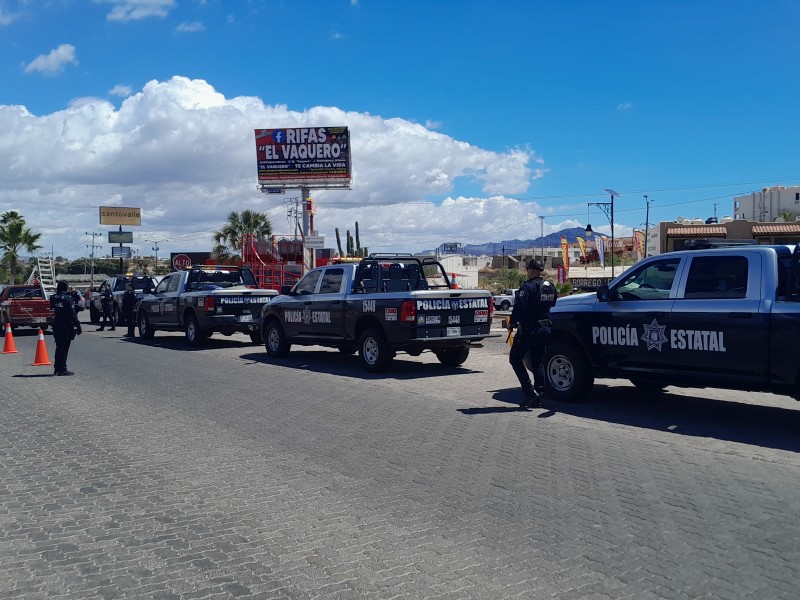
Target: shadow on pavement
[334, 362]
[683, 414]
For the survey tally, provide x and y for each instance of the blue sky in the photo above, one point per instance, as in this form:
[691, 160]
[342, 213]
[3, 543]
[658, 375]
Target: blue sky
[469, 120]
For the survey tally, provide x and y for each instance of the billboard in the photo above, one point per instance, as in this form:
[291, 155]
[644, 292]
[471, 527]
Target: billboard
[120, 215]
[182, 260]
[303, 156]
[120, 237]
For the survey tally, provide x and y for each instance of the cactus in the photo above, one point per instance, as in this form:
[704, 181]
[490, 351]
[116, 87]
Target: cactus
[339, 242]
[359, 253]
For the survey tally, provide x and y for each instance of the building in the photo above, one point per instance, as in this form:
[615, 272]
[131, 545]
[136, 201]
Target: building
[769, 205]
[683, 233]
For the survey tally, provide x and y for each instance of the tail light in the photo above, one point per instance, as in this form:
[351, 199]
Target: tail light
[408, 311]
[491, 309]
[208, 304]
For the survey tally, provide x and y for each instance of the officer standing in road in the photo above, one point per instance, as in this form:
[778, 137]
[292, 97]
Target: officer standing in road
[107, 302]
[65, 326]
[531, 317]
[128, 302]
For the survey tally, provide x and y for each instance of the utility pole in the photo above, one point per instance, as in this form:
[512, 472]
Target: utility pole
[91, 256]
[647, 223]
[542, 239]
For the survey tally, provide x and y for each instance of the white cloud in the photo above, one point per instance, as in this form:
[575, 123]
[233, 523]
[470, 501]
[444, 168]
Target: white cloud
[134, 10]
[6, 17]
[625, 106]
[185, 155]
[120, 90]
[53, 63]
[192, 27]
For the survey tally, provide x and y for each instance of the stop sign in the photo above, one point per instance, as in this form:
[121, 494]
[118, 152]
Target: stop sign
[181, 261]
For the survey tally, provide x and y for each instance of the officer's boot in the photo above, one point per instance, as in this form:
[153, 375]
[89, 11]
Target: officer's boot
[532, 399]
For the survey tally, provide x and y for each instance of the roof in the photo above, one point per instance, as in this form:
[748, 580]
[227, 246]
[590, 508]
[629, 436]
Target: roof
[704, 230]
[777, 228]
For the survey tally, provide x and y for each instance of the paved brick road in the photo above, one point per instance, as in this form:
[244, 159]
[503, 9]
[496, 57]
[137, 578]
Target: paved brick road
[161, 472]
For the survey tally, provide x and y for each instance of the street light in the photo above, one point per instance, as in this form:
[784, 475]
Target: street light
[155, 249]
[608, 210]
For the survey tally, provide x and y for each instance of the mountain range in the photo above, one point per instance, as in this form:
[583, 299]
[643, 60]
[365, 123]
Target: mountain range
[552, 240]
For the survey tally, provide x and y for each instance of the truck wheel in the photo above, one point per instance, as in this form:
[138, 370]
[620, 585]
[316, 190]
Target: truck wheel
[94, 314]
[649, 386]
[255, 337]
[505, 305]
[194, 335]
[568, 377]
[374, 351]
[145, 331]
[452, 357]
[275, 340]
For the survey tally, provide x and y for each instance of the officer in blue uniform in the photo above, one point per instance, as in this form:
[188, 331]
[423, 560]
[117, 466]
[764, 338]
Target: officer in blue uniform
[107, 303]
[531, 317]
[65, 326]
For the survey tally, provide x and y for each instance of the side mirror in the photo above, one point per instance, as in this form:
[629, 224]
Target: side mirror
[286, 290]
[603, 293]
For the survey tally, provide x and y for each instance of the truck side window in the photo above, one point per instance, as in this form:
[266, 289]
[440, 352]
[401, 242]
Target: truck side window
[173, 283]
[308, 284]
[331, 281]
[163, 285]
[653, 282]
[716, 277]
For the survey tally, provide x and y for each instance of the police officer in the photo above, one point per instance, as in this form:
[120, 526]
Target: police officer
[128, 302]
[107, 302]
[531, 317]
[65, 326]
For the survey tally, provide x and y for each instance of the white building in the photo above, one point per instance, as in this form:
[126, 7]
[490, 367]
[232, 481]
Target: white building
[767, 205]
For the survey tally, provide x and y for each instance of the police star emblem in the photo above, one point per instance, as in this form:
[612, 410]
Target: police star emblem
[654, 336]
[307, 316]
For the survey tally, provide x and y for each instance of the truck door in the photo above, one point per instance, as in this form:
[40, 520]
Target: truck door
[328, 309]
[297, 311]
[719, 329]
[629, 332]
[162, 305]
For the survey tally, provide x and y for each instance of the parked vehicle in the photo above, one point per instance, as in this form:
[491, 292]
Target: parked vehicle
[505, 301]
[200, 300]
[25, 305]
[726, 318]
[142, 284]
[382, 305]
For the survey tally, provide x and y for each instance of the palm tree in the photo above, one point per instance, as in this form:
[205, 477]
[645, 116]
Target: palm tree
[228, 240]
[14, 236]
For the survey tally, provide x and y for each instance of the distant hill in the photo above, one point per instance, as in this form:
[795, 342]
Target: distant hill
[552, 240]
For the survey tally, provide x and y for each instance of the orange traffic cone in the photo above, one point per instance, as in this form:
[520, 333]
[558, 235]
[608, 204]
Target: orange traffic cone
[41, 352]
[8, 343]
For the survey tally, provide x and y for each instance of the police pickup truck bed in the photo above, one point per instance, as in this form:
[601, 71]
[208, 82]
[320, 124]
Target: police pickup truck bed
[379, 306]
[201, 300]
[725, 318]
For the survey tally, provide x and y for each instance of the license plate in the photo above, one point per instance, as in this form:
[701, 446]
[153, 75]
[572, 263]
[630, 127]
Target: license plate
[245, 318]
[40, 319]
[453, 331]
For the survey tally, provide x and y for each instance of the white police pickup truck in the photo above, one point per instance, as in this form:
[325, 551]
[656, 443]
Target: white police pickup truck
[203, 299]
[384, 304]
[724, 318]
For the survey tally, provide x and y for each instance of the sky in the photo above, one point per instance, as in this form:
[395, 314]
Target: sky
[470, 121]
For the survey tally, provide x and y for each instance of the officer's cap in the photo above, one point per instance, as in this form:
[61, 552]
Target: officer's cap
[535, 265]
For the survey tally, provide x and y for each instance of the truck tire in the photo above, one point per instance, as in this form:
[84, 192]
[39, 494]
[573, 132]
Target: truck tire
[452, 357]
[94, 314]
[275, 340]
[146, 332]
[194, 335]
[568, 376]
[505, 305]
[374, 351]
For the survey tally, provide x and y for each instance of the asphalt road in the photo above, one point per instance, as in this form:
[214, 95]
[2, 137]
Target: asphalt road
[165, 472]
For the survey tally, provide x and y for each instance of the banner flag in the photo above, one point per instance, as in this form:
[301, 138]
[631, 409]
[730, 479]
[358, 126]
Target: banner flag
[600, 242]
[582, 245]
[565, 252]
[639, 243]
